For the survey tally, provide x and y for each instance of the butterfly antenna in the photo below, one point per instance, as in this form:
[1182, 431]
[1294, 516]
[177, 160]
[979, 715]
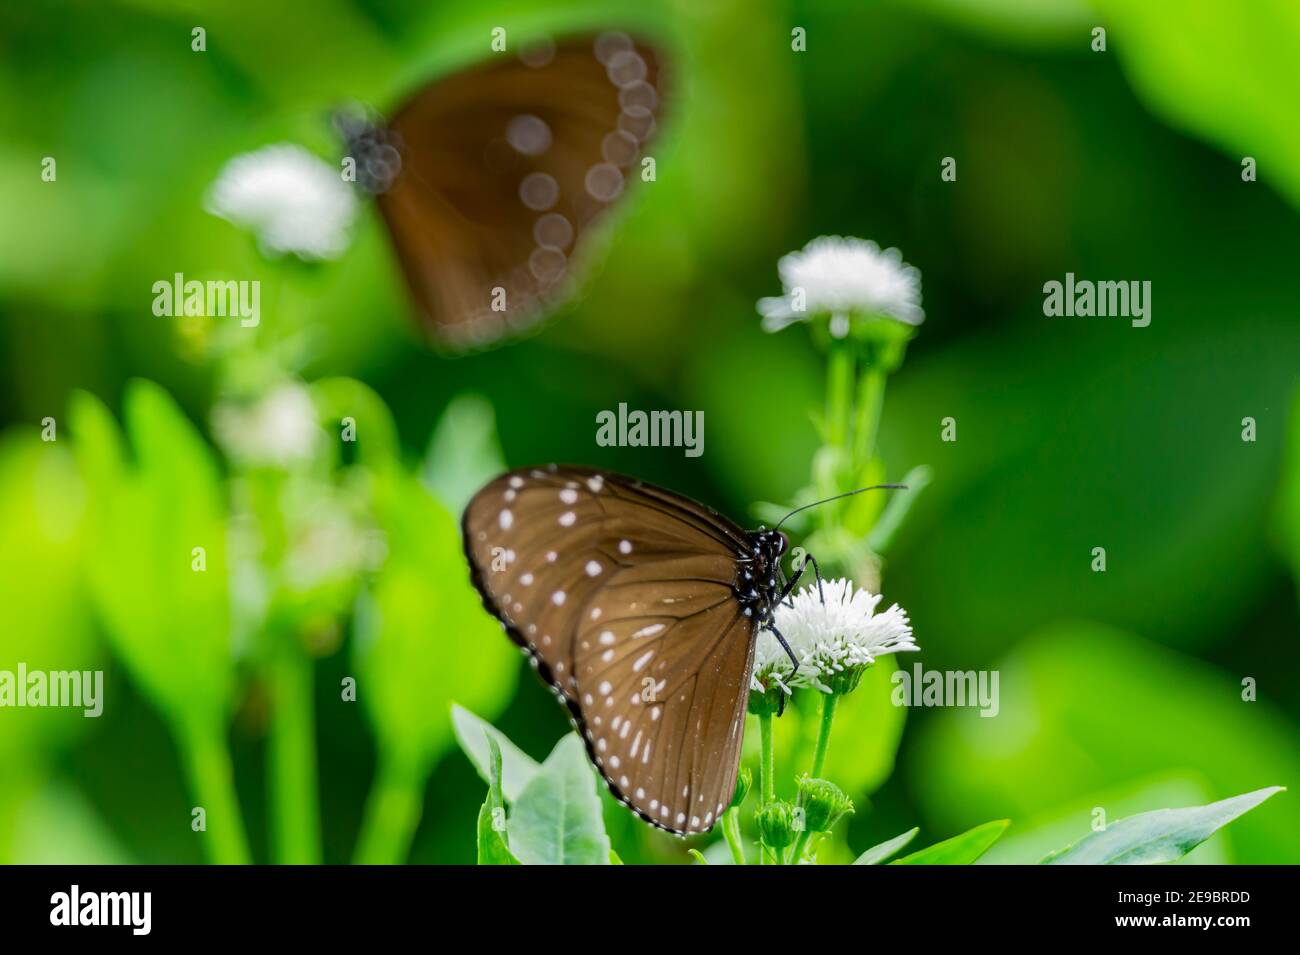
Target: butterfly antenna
[874, 487]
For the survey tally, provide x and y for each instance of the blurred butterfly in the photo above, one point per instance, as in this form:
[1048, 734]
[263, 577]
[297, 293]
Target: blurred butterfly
[490, 180]
[640, 608]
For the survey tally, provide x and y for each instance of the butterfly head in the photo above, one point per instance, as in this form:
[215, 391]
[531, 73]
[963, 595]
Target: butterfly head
[375, 149]
[768, 545]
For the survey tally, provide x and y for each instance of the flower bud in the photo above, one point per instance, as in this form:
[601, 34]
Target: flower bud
[743, 783]
[823, 803]
[776, 825]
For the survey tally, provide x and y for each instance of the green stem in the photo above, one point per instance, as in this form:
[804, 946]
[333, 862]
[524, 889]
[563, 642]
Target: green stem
[767, 763]
[392, 813]
[796, 852]
[294, 796]
[212, 783]
[731, 830]
[839, 394]
[829, 701]
[836, 432]
[766, 775]
[871, 395]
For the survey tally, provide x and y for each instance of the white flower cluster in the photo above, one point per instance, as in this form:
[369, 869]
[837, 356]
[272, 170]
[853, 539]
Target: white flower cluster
[280, 430]
[843, 276]
[291, 200]
[828, 638]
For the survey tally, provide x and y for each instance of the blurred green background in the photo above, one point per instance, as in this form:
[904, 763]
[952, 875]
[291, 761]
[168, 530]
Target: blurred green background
[1121, 690]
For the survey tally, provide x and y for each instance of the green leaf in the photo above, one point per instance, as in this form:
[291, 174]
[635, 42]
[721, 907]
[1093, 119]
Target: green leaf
[897, 508]
[377, 442]
[1017, 22]
[1229, 79]
[879, 853]
[1037, 834]
[959, 850]
[614, 858]
[493, 848]
[557, 820]
[698, 856]
[473, 734]
[464, 453]
[164, 602]
[1023, 763]
[1159, 836]
[423, 638]
[47, 623]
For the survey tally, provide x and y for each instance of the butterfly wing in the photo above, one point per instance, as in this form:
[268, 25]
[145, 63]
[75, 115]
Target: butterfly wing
[622, 594]
[505, 167]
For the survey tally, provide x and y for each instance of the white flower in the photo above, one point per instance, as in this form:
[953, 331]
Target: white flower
[831, 638]
[292, 200]
[279, 430]
[327, 541]
[843, 276]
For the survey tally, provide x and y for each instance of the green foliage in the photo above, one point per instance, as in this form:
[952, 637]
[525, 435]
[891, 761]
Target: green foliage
[48, 626]
[422, 638]
[557, 819]
[959, 850]
[1230, 79]
[165, 604]
[47, 614]
[1037, 834]
[865, 716]
[518, 768]
[155, 560]
[1071, 436]
[493, 849]
[1163, 835]
[1053, 741]
[464, 453]
[883, 851]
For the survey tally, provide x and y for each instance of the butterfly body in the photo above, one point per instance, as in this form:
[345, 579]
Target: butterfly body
[640, 608]
[760, 576]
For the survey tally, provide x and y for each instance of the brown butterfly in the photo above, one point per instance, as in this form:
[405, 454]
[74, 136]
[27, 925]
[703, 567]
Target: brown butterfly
[640, 608]
[491, 179]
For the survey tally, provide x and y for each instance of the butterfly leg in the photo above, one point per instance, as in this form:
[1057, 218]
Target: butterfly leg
[784, 646]
[817, 572]
[790, 585]
[798, 575]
